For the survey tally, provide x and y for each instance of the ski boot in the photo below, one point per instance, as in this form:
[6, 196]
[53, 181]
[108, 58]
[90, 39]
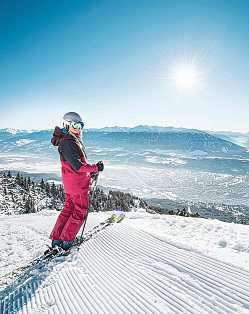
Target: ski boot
[54, 248]
[56, 243]
[66, 245]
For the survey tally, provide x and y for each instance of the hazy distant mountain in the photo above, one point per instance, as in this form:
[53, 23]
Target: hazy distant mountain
[142, 128]
[183, 140]
[241, 139]
[139, 138]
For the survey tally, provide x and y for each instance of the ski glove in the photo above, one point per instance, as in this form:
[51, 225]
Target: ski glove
[94, 175]
[100, 166]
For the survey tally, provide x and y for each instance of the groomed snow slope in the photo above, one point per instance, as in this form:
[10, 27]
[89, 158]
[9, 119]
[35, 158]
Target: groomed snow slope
[124, 270]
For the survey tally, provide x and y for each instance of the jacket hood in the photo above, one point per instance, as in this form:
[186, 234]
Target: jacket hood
[58, 135]
[63, 133]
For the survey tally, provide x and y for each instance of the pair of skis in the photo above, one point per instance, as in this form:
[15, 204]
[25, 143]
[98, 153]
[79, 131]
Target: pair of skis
[40, 261]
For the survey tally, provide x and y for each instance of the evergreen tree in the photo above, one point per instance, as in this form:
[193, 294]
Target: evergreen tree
[25, 184]
[47, 188]
[53, 204]
[21, 180]
[42, 184]
[28, 183]
[32, 205]
[9, 174]
[53, 190]
[27, 206]
[18, 178]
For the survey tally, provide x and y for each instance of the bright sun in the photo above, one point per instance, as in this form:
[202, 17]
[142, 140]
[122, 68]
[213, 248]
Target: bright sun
[185, 76]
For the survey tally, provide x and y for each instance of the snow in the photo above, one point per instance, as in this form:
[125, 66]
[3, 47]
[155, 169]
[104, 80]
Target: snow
[227, 242]
[56, 182]
[23, 237]
[12, 130]
[196, 153]
[165, 161]
[147, 264]
[28, 163]
[24, 141]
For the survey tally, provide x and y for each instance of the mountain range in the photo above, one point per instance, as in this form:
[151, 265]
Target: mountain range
[136, 139]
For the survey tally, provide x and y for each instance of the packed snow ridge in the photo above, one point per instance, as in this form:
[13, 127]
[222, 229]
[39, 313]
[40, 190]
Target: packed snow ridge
[146, 264]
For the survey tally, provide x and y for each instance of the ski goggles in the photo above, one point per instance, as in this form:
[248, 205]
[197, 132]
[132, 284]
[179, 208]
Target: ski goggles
[77, 125]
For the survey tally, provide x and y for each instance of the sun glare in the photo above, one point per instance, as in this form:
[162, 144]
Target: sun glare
[185, 76]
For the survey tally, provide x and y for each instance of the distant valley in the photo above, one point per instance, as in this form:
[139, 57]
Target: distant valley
[150, 161]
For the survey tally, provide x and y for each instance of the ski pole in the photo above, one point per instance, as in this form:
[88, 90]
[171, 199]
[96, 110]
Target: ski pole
[95, 179]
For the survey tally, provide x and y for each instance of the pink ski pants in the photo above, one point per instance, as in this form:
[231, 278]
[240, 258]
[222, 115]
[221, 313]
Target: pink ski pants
[71, 217]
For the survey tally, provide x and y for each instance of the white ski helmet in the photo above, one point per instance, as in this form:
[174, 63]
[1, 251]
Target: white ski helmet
[72, 119]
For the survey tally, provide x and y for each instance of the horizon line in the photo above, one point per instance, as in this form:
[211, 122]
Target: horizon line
[130, 127]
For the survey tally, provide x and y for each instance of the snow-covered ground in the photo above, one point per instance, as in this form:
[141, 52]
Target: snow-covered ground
[146, 264]
[227, 242]
[24, 237]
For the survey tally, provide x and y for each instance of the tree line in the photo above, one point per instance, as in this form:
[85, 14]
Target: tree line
[31, 190]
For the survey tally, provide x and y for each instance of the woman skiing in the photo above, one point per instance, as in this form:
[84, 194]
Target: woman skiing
[76, 178]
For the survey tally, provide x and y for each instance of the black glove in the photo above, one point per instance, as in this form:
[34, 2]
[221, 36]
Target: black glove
[94, 175]
[100, 165]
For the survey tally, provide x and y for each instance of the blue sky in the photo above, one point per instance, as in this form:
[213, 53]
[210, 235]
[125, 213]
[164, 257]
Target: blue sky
[111, 61]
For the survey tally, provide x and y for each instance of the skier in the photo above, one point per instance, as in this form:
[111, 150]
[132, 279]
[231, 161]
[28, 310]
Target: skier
[76, 178]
